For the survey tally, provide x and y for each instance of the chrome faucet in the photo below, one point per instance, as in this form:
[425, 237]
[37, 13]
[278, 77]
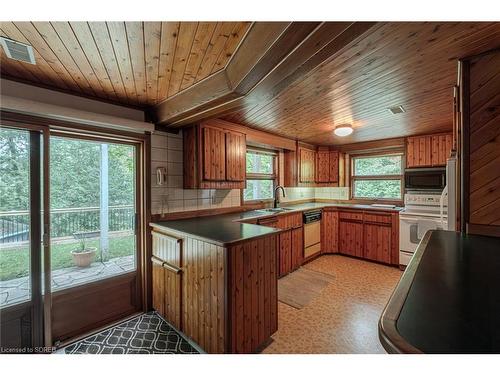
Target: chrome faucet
[275, 205]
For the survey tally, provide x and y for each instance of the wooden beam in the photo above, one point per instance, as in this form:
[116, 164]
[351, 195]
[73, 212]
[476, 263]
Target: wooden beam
[270, 58]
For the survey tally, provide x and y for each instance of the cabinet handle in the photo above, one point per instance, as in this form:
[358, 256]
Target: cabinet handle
[165, 265]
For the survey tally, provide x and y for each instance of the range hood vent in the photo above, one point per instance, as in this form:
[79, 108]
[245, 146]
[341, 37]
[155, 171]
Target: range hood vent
[18, 51]
[397, 109]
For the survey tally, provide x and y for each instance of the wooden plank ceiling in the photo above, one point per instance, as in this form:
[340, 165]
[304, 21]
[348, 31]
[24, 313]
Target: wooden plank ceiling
[134, 63]
[408, 64]
[358, 74]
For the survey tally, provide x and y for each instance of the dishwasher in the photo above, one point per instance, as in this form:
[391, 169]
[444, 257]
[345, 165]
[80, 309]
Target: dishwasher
[312, 233]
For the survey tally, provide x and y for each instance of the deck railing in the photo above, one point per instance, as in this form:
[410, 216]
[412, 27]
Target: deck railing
[14, 225]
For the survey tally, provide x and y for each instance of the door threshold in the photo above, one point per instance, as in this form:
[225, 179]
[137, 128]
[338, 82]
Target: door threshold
[61, 345]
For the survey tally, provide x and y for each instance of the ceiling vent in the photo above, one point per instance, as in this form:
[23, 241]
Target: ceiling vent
[18, 51]
[397, 109]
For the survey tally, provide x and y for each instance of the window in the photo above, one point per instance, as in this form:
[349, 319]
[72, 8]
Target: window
[377, 177]
[260, 175]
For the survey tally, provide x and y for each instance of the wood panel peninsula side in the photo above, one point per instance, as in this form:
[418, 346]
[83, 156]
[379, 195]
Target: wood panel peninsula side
[221, 294]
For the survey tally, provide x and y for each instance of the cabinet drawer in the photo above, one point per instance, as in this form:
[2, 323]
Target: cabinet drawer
[350, 215]
[290, 221]
[167, 248]
[378, 218]
[269, 222]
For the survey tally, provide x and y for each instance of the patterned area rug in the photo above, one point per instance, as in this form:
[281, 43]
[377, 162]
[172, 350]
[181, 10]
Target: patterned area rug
[145, 334]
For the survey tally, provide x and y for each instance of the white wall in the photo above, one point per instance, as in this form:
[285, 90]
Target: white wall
[166, 151]
[51, 104]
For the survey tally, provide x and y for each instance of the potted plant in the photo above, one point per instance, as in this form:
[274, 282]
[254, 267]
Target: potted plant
[83, 256]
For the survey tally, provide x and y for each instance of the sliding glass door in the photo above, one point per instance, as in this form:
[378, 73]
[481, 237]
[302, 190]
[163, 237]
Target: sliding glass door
[94, 241]
[92, 214]
[70, 235]
[20, 239]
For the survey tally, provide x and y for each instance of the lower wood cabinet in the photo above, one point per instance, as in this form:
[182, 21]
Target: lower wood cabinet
[377, 242]
[297, 253]
[351, 238]
[222, 296]
[329, 232]
[167, 293]
[372, 235]
[285, 252]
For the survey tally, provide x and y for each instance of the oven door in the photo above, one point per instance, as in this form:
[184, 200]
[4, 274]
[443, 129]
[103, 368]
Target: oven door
[411, 231]
[429, 179]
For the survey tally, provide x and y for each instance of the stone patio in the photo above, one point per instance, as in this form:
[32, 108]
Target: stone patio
[17, 290]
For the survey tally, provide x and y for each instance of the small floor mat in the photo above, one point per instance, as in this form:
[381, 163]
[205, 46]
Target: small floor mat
[300, 287]
[145, 334]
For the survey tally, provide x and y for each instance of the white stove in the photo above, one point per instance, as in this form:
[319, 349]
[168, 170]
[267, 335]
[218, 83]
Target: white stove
[422, 212]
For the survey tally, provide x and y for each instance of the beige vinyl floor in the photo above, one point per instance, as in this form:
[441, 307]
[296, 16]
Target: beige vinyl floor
[343, 318]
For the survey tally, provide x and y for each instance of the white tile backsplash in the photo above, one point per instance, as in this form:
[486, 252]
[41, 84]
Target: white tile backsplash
[303, 193]
[166, 151]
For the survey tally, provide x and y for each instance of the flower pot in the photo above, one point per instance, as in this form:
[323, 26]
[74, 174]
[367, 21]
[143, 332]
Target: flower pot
[84, 258]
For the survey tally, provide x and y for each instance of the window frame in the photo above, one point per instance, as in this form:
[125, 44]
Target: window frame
[261, 176]
[400, 177]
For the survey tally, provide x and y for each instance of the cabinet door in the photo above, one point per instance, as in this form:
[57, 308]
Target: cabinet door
[307, 161]
[159, 289]
[285, 255]
[329, 232]
[214, 154]
[323, 166]
[441, 149]
[377, 242]
[351, 238]
[418, 151]
[167, 293]
[297, 255]
[334, 166]
[235, 156]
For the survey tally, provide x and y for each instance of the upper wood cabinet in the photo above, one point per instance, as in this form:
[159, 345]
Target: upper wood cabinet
[327, 166]
[428, 150]
[307, 161]
[441, 148]
[214, 158]
[214, 154]
[235, 156]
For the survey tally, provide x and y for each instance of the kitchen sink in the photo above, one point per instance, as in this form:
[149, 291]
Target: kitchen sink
[277, 209]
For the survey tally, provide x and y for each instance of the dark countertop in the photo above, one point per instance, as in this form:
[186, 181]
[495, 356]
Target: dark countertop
[219, 229]
[448, 299]
[226, 229]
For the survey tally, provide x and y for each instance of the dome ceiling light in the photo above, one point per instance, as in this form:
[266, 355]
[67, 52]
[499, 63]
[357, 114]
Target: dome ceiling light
[343, 130]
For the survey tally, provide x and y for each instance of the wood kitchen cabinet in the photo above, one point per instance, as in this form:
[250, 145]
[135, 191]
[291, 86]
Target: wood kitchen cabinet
[367, 234]
[290, 241]
[378, 237]
[285, 253]
[307, 163]
[441, 145]
[225, 296]
[166, 275]
[329, 231]
[428, 150]
[214, 157]
[351, 234]
[327, 166]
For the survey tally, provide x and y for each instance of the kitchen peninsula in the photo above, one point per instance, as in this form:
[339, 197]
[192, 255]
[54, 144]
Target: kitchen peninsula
[215, 277]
